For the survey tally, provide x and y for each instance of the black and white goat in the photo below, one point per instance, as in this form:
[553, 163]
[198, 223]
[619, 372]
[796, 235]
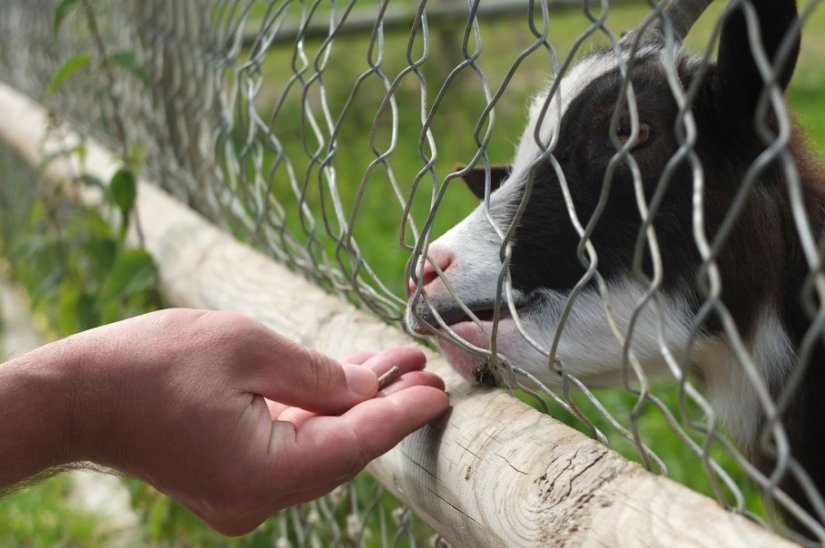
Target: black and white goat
[762, 262]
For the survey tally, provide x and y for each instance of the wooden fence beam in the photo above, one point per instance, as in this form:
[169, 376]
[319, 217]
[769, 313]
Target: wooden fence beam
[493, 472]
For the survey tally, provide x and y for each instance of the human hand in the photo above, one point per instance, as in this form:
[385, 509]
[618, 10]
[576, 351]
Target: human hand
[177, 398]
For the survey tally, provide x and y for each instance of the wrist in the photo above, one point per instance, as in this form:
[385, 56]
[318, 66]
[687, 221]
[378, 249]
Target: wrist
[35, 428]
[92, 417]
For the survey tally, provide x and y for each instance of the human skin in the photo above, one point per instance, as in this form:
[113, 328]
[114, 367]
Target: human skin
[212, 408]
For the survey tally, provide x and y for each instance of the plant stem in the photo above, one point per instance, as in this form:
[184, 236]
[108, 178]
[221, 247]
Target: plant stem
[117, 118]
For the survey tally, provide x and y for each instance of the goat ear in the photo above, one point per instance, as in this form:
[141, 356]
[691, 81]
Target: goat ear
[740, 79]
[475, 178]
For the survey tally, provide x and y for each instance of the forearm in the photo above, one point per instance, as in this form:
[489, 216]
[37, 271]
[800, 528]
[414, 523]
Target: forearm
[35, 414]
[177, 398]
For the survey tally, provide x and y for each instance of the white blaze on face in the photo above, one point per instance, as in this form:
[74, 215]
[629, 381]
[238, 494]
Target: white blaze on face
[474, 243]
[588, 347]
[584, 73]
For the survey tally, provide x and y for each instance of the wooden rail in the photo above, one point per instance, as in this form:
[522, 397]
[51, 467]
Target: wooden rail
[493, 472]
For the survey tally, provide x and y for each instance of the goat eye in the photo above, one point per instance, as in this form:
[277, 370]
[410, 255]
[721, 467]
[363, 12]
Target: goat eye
[624, 130]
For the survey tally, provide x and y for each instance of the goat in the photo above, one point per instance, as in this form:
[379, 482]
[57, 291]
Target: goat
[575, 141]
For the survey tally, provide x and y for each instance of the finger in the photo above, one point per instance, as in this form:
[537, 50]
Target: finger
[288, 373]
[356, 357]
[318, 383]
[297, 416]
[275, 409]
[414, 378]
[406, 358]
[326, 449]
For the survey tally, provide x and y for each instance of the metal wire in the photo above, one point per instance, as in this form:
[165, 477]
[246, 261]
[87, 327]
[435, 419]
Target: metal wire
[334, 151]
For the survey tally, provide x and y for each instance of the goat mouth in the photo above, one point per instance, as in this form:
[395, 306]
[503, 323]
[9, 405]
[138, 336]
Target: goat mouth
[444, 317]
[465, 332]
[482, 319]
[487, 315]
[466, 343]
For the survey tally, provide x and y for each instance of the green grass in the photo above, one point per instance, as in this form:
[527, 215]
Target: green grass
[41, 515]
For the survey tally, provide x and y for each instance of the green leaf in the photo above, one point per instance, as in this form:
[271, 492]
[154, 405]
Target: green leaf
[128, 61]
[91, 181]
[75, 310]
[110, 312]
[134, 270]
[61, 12]
[123, 191]
[49, 157]
[44, 290]
[99, 253]
[65, 72]
[136, 158]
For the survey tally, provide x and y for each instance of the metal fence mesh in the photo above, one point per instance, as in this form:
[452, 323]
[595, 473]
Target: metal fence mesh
[327, 133]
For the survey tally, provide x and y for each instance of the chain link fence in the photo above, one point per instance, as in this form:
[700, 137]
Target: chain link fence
[328, 133]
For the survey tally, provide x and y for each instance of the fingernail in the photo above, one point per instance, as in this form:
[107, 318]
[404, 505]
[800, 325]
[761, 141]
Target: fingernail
[361, 380]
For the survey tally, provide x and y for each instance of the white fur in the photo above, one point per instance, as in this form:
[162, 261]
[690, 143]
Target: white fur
[731, 393]
[587, 347]
[574, 82]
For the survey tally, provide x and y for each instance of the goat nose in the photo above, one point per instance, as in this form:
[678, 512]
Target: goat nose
[435, 257]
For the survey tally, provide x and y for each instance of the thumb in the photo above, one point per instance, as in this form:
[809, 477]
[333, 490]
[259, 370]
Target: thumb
[295, 375]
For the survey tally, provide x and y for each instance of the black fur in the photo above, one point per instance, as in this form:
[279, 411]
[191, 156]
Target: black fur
[761, 260]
